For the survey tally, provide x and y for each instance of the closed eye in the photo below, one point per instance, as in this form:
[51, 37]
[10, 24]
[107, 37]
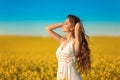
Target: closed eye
[65, 23]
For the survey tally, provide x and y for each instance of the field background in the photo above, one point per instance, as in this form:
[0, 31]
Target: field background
[34, 58]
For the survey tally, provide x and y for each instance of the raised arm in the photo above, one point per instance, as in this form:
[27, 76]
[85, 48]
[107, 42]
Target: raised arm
[53, 34]
[78, 38]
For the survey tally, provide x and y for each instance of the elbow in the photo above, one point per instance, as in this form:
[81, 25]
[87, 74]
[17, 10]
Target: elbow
[47, 28]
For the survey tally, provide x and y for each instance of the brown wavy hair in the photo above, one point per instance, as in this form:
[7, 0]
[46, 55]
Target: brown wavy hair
[83, 58]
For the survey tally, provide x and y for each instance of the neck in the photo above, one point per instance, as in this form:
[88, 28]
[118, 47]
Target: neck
[70, 36]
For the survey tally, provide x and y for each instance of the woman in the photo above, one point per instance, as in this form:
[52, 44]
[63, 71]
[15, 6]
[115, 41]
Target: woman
[73, 48]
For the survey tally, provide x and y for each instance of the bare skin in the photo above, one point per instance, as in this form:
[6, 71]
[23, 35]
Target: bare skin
[72, 33]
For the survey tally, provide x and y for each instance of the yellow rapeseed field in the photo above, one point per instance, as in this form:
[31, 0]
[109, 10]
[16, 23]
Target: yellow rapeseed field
[34, 58]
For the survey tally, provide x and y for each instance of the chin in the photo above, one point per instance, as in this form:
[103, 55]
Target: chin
[63, 31]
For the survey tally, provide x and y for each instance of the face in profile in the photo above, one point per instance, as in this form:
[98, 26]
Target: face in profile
[67, 26]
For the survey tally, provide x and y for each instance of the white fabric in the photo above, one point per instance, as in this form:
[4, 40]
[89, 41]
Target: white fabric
[66, 63]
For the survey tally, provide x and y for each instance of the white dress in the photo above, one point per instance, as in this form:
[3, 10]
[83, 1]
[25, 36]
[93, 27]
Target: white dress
[66, 63]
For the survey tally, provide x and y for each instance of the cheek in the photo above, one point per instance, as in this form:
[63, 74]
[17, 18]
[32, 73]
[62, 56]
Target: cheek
[66, 26]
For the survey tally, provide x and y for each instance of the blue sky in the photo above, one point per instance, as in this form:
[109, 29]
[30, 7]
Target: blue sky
[29, 17]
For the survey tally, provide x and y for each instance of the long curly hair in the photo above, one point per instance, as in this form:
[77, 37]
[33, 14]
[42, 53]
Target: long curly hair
[83, 58]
